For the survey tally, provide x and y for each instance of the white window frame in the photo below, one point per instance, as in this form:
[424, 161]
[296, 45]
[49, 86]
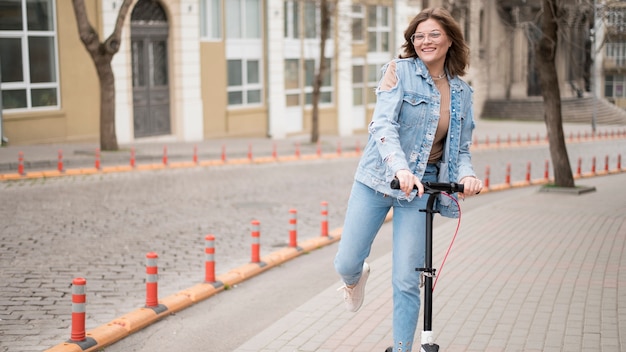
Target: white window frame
[324, 89]
[242, 20]
[246, 49]
[246, 86]
[26, 84]
[379, 29]
[362, 85]
[358, 14]
[211, 22]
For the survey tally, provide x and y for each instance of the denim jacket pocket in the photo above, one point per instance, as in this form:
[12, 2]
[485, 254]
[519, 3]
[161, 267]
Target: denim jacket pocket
[414, 109]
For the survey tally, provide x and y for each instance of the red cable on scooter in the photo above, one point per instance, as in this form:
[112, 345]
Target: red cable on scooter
[456, 232]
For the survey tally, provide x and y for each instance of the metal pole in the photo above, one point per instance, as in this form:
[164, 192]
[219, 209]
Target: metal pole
[594, 77]
[1, 108]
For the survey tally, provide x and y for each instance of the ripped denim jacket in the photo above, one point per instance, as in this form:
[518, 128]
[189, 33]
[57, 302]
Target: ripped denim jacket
[403, 128]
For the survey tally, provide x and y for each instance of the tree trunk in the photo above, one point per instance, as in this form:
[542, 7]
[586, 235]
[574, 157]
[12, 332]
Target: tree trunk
[108, 137]
[546, 53]
[319, 78]
[102, 55]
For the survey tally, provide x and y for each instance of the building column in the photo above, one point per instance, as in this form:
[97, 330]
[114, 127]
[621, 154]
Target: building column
[344, 69]
[185, 65]
[275, 70]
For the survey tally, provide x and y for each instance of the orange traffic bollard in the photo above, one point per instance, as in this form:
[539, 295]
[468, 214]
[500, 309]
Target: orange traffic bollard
[324, 226]
[209, 261]
[293, 228]
[152, 278]
[79, 301]
[256, 241]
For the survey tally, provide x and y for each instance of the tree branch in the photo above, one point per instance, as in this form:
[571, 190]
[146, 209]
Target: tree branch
[113, 42]
[86, 32]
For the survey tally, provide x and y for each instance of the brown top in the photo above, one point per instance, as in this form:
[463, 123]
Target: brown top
[444, 120]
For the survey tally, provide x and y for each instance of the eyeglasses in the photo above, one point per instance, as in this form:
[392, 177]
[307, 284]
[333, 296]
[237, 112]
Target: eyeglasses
[419, 37]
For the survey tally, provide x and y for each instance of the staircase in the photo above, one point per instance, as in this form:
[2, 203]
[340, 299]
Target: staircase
[572, 110]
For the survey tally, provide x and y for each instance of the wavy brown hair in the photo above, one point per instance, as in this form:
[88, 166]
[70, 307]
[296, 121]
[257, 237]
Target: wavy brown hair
[457, 58]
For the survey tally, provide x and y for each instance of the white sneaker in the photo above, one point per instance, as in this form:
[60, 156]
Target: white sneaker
[353, 296]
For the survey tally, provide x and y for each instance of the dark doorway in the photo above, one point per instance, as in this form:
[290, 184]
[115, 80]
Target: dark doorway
[151, 92]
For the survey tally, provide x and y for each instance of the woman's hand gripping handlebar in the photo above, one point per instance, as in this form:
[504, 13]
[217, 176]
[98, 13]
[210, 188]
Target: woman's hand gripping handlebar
[433, 187]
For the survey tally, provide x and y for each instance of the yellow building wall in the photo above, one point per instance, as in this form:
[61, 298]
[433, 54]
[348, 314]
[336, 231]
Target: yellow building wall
[213, 86]
[219, 121]
[77, 119]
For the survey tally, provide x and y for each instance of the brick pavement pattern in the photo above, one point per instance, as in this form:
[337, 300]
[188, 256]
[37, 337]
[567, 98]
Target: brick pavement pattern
[538, 272]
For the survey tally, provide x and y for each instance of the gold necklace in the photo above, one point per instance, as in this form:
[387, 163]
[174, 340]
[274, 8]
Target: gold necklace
[440, 76]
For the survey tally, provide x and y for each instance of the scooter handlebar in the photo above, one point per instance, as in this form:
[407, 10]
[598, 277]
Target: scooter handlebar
[451, 187]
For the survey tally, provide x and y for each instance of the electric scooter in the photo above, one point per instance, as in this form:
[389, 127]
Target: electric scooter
[433, 189]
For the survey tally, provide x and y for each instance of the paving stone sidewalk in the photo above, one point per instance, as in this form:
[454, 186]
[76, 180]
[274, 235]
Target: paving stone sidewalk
[534, 272]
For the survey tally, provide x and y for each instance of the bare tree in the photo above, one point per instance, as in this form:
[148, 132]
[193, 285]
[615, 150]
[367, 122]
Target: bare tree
[546, 49]
[102, 54]
[327, 9]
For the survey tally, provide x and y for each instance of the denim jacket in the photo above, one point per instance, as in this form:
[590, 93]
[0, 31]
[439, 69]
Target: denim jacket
[403, 129]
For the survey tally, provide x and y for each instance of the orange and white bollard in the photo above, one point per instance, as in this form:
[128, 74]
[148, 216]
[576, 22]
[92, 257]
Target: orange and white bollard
[60, 161]
[256, 241]
[293, 228]
[97, 162]
[579, 167]
[274, 152]
[593, 165]
[619, 162]
[324, 225]
[507, 178]
[298, 150]
[487, 172]
[79, 301]
[528, 172]
[339, 148]
[20, 164]
[152, 280]
[546, 171]
[606, 163]
[164, 155]
[223, 153]
[209, 259]
[195, 154]
[250, 151]
[319, 149]
[132, 157]
[357, 148]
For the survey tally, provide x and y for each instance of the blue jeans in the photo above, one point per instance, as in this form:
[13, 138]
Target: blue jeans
[364, 217]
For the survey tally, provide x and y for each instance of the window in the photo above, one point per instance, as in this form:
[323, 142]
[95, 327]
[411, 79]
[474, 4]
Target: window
[378, 28]
[617, 52]
[292, 82]
[244, 82]
[614, 86]
[358, 85]
[243, 19]
[292, 22]
[244, 52]
[310, 69]
[373, 76]
[310, 20]
[358, 20]
[28, 54]
[211, 19]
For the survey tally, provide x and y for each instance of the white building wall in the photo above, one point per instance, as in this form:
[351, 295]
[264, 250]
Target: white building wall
[275, 66]
[121, 66]
[185, 97]
[344, 69]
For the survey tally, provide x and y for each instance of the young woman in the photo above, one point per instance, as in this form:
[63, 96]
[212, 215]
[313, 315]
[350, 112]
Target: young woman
[421, 131]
